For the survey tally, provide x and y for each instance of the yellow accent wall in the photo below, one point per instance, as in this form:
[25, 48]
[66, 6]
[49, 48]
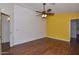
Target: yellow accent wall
[58, 25]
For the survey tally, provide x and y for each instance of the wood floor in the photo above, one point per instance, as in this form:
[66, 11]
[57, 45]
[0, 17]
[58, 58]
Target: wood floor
[5, 46]
[45, 46]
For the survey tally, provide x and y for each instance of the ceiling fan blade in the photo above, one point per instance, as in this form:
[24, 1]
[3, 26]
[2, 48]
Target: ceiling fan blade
[49, 10]
[50, 13]
[38, 11]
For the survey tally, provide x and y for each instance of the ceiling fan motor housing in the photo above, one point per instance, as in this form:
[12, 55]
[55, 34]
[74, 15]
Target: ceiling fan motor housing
[44, 3]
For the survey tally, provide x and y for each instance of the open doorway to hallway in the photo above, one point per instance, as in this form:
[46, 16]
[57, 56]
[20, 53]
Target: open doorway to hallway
[5, 33]
[74, 31]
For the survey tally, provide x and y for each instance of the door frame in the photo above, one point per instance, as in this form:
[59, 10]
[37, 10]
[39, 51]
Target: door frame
[70, 26]
[1, 27]
[0, 34]
[1, 23]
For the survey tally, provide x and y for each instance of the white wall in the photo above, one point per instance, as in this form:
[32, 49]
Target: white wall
[6, 8]
[27, 26]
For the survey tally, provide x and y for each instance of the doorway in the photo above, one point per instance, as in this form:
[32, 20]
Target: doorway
[74, 34]
[0, 34]
[5, 33]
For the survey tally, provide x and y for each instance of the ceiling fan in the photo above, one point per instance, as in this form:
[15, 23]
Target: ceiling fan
[45, 12]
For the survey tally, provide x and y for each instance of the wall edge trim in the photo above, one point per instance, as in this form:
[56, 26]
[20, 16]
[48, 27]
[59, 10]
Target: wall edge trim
[32, 39]
[58, 38]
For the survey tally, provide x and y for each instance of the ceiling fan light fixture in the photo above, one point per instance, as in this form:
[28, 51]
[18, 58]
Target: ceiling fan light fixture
[45, 12]
[44, 15]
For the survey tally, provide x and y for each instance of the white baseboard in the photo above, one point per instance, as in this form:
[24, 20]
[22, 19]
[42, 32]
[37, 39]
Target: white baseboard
[58, 39]
[31, 39]
[39, 38]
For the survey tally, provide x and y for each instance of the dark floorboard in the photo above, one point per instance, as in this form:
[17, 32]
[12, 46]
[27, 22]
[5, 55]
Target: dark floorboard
[46, 46]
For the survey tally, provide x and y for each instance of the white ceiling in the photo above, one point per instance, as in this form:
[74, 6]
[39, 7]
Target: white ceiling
[57, 7]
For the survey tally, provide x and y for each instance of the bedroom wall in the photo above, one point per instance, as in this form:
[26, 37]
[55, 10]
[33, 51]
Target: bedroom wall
[58, 25]
[27, 26]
